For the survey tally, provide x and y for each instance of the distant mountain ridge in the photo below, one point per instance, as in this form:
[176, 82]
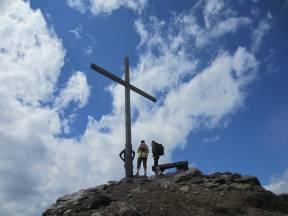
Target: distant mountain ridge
[186, 193]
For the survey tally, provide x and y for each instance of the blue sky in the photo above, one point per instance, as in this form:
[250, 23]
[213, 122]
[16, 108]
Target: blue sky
[217, 68]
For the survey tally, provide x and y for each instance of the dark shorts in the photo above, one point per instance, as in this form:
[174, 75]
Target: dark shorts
[140, 159]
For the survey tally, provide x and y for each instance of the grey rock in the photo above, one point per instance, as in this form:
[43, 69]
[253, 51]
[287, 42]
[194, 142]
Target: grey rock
[67, 212]
[71, 198]
[223, 187]
[96, 214]
[211, 185]
[100, 200]
[187, 175]
[196, 180]
[228, 178]
[241, 187]
[223, 210]
[215, 175]
[220, 180]
[226, 175]
[258, 188]
[80, 201]
[248, 180]
[129, 211]
[98, 188]
[185, 189]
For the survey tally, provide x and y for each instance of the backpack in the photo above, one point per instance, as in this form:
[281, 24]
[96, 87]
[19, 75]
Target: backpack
[158, 149]
[142, 147]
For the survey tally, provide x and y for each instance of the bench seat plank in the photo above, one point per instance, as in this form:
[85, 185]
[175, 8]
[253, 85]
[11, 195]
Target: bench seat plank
[181, 165]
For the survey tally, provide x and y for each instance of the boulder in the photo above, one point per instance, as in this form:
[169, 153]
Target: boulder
[128, 211]
[247, 180]
[187, 175]
[83, 200]
[240, 187]
[100, 200]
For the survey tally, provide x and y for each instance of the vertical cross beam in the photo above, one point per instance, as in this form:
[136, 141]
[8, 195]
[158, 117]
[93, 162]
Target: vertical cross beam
[128, 146]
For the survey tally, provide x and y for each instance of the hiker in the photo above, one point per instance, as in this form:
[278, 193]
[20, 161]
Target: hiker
[143, 152]
[122, 155]
[157, 151]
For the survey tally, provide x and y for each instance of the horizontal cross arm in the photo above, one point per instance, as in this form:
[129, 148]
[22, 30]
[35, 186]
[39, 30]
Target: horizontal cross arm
[144, 94]
[120, 81]
[107, 74]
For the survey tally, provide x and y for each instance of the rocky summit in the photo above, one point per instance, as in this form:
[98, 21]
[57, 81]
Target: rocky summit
[187, 193]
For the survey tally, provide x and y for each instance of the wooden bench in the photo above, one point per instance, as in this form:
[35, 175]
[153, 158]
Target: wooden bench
[180, 166]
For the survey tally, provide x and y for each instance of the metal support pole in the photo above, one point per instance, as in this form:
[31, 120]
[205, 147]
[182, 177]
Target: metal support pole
[128, 146]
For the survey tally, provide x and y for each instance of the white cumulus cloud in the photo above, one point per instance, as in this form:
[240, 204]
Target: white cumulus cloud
[26, 44]
[279, 184]
[97, 7]
[219, 20]
[31, 58]
[77, 4]
[259, 33]
[76, 91]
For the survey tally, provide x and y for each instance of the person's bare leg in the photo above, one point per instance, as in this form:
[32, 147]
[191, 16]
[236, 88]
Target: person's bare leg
[137, 173]
[138, 166]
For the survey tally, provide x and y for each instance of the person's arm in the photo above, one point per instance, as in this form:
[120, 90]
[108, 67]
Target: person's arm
[133, 154]
[121, 154]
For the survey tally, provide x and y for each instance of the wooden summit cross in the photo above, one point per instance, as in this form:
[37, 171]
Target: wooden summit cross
[128, 87]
